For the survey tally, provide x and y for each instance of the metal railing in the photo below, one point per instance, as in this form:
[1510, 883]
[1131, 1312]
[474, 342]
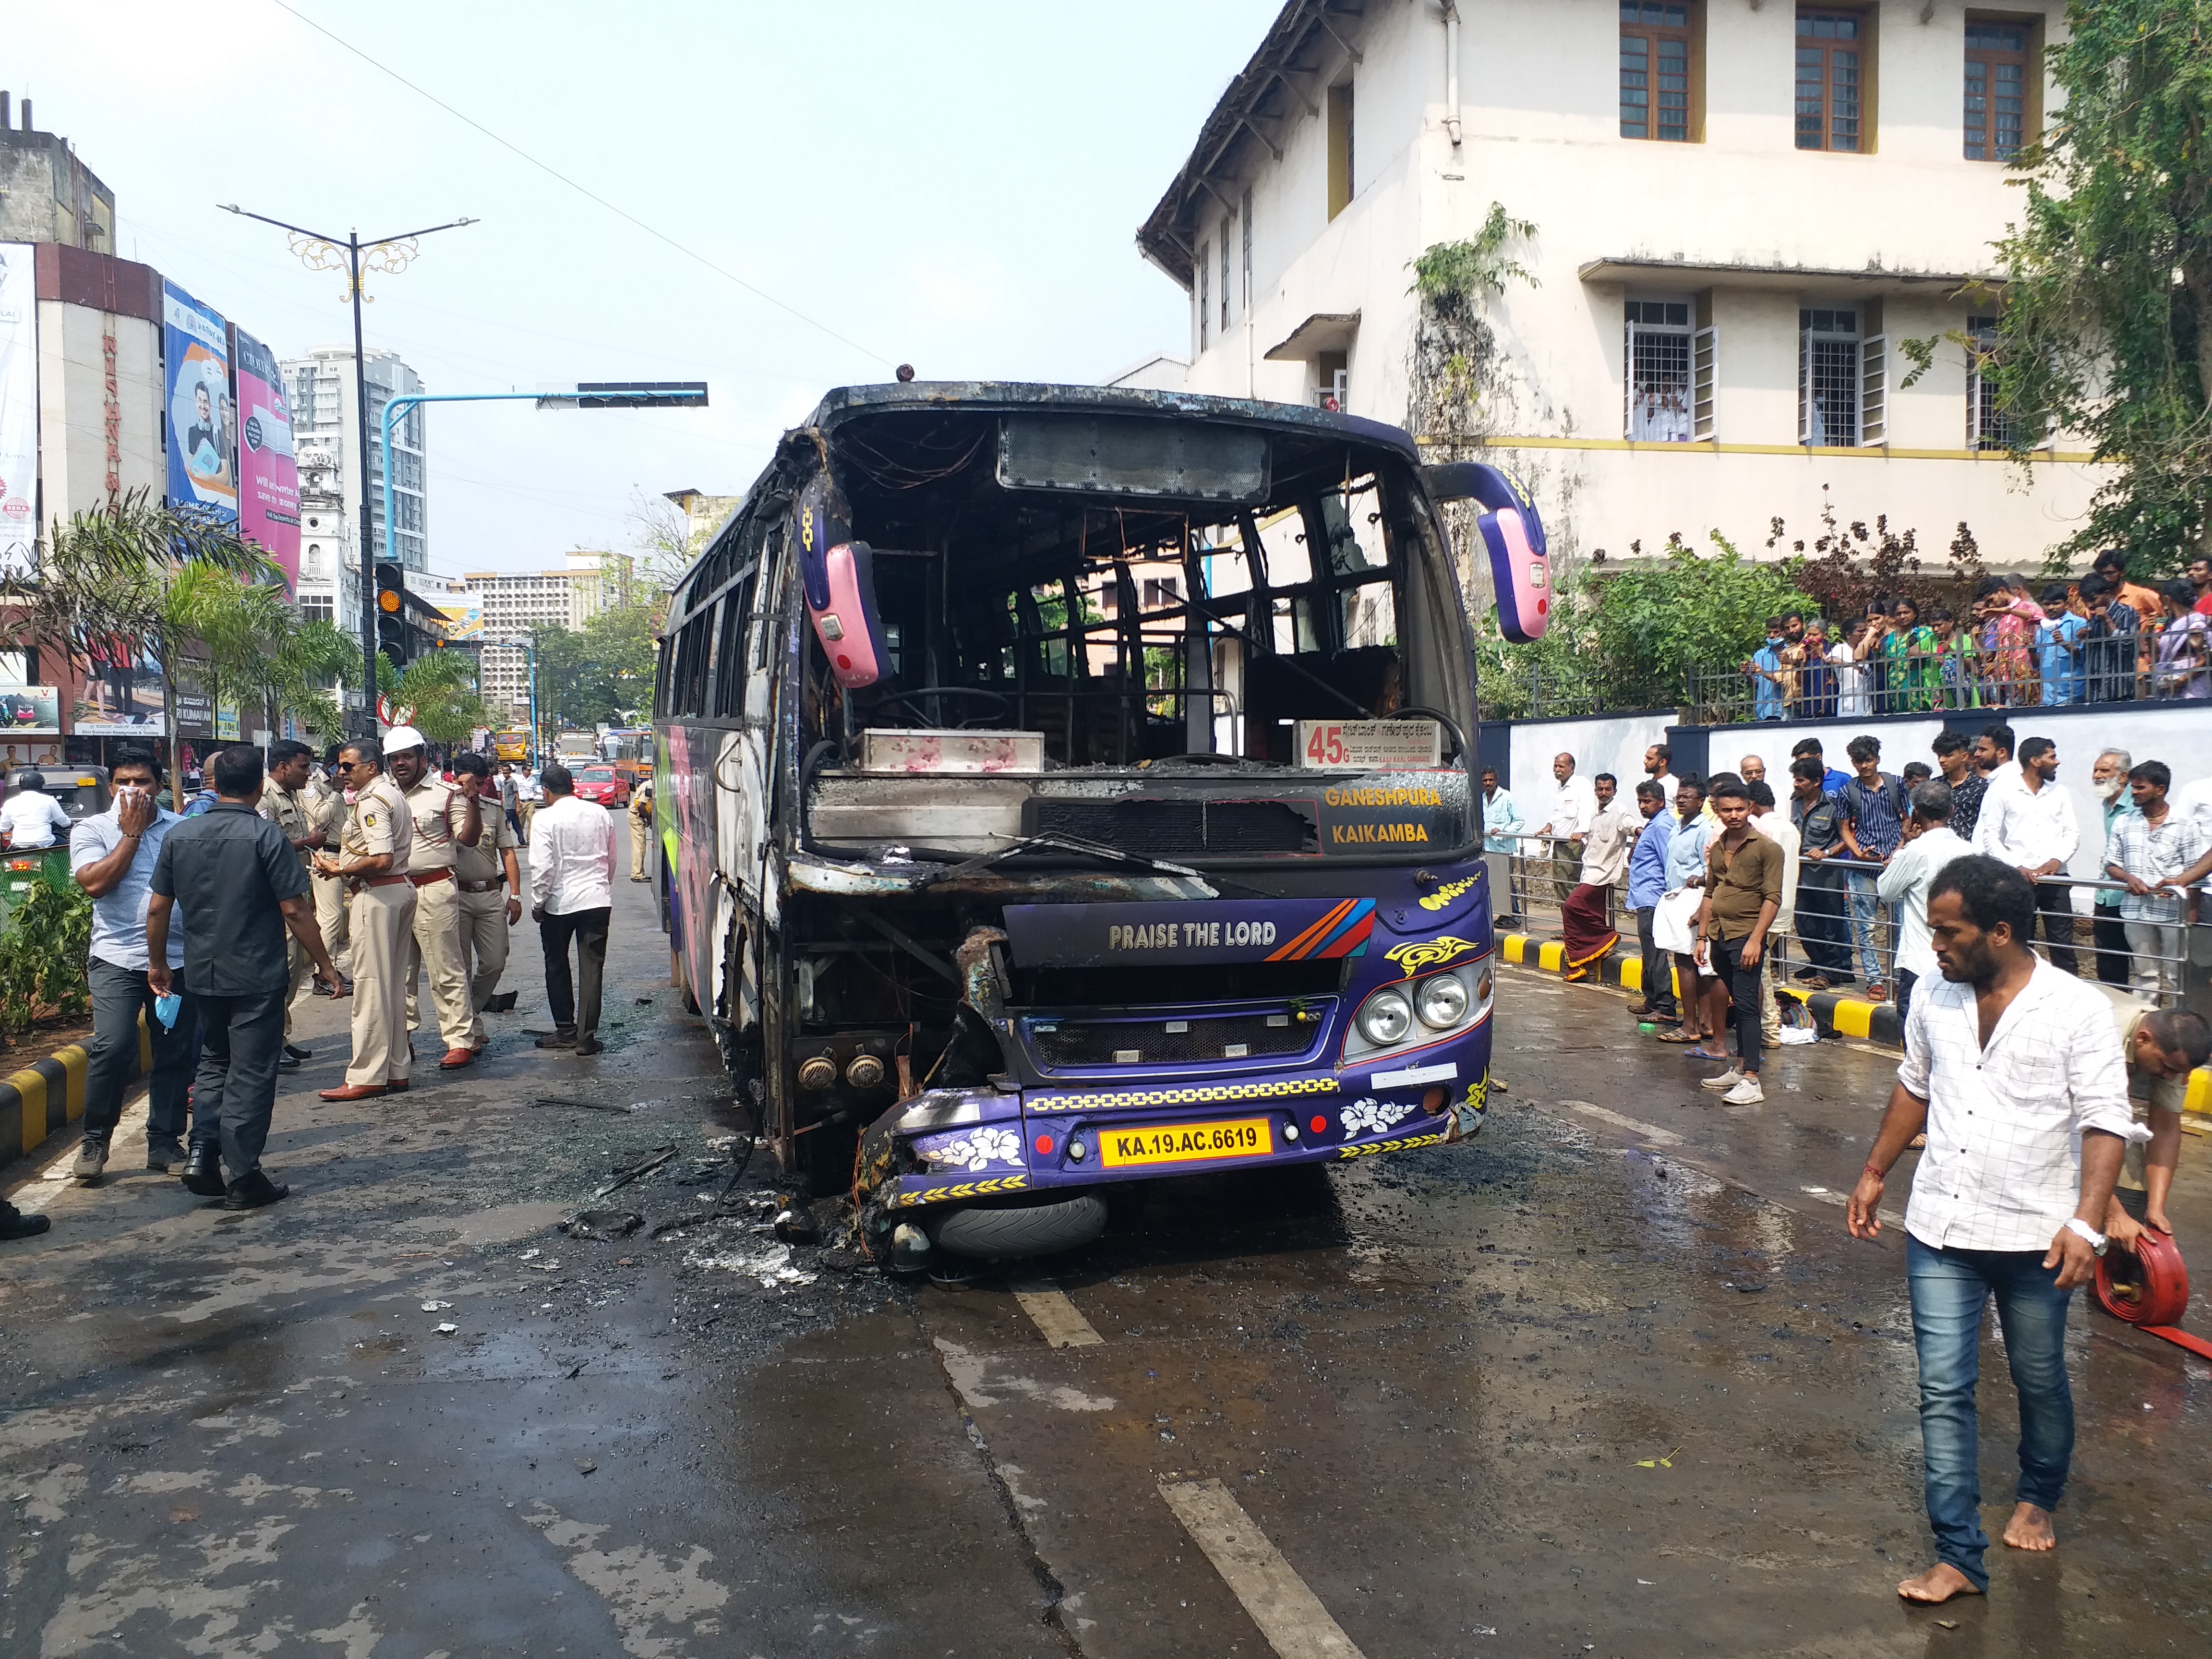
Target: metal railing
[1826, 936]
[1926, 683]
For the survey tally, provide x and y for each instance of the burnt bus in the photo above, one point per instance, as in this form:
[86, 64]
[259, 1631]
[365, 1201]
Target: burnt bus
[1067, 785]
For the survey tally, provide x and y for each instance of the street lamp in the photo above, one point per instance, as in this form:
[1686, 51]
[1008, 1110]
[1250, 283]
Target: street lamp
[393, 254]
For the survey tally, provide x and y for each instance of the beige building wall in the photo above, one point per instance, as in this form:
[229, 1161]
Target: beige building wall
[73, 406]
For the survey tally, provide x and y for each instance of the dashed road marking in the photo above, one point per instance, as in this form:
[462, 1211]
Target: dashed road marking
[1650, 1132]
[1059, 1319]
[1289, 1615]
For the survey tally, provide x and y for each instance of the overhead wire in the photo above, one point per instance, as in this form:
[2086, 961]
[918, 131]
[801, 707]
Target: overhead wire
[581, 190]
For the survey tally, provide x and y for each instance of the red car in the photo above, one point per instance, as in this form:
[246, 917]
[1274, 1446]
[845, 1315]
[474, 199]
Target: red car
[602, 785]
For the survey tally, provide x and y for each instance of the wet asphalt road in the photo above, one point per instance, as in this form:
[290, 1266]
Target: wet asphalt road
[1608, 1379]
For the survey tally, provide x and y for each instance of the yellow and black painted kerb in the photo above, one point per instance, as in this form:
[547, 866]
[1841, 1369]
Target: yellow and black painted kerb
[45, 1097]
[1834, 1014]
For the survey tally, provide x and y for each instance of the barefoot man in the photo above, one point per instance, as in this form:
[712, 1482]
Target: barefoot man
[2013, 1070]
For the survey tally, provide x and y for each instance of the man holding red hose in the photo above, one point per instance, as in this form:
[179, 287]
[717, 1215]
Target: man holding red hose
[2011, 1070]
[2162, 1046]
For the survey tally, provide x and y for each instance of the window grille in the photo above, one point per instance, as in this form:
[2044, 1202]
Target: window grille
[1204, 302]
[1989, 426]
[1705, 384]
[1659, 352]
[1874, 390]
[1996, 90]
[1655, 70]
[1828, 85]
[1828, 378]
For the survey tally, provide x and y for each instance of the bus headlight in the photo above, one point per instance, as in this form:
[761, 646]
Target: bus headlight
[1386, 1018]
[1441, 1001]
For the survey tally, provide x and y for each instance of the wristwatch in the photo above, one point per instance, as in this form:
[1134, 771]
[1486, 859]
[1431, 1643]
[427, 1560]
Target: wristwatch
[2097, 1240]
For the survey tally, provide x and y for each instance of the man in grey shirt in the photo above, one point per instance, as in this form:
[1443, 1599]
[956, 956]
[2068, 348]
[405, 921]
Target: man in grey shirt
[112, 856]
[247, 888]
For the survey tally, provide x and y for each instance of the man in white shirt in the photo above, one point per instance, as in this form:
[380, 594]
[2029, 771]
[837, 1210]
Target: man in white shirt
[1905, 881]
[1659, 767]
[1574, 804]
[529, 795]
[2014, 1072]
[31, 818]
[2027, 821]
[1586, 920]
[1776, 828]
[572, 872]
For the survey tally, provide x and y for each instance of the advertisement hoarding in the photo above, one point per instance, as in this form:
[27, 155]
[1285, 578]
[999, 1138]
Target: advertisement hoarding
[267, 471]
[18, 407]
[31, 711]
[203, 420]
[122, 693]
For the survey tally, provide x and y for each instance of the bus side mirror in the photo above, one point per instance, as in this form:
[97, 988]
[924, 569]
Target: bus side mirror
[840, 600]
[1513, 534]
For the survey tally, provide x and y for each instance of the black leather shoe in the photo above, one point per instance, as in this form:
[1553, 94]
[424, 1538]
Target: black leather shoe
[590, 1045]
[203, 1170]
[293, 1051]
[557, 1040]
[252, 1192]
[286, 1063]
[13, 1223]
[163, 1153]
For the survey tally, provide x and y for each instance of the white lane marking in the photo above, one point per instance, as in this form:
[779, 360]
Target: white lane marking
[1289, 1615]
[1650, 1132]
[129, 1131]
[1843, 1202]
[1059, 1319]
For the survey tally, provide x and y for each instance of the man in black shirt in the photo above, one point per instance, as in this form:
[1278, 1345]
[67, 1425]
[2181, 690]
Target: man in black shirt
[247, 887]
[1823, 912]
[1954, 754]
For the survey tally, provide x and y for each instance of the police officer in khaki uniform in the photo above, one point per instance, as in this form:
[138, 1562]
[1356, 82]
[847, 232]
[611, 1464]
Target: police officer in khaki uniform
[490, 882]
[443, 817]
[328, 807]
[285, 803]
[640, 829]
[372, 856]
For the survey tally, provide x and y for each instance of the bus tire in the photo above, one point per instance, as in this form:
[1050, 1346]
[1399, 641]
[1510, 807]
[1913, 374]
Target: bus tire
[1026, 1230]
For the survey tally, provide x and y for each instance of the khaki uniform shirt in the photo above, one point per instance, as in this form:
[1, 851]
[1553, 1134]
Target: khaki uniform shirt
[486, 860]
[327, 809]
[437, 806]
[380, 822]
[289, 812]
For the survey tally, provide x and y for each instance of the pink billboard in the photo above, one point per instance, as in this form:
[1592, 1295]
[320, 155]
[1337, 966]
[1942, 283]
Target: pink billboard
[268, 476]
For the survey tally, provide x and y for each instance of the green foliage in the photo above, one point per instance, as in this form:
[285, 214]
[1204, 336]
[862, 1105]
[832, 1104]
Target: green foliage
[1454, 274]
[600, 671]
[2107, 328]
[1452, 360]
[440, 687]
[44, 952]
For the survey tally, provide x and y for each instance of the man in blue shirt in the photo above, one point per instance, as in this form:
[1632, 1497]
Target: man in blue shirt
[1501, 824]
[1764, 668]
[1873, 822]
[1831, 780]
[2058, 648]
[1647, 884]
[112, 856]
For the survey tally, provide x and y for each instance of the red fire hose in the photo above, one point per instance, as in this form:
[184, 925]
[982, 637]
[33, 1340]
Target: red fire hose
[2152, 1291]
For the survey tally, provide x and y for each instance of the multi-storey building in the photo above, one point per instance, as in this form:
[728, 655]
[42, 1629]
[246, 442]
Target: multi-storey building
[324, 409]
[516, 605]
[1742, 210]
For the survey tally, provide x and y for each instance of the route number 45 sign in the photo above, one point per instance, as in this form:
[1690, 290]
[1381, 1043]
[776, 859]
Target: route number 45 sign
[1369, 745]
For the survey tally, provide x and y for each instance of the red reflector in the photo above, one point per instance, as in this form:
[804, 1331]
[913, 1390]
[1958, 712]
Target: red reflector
[1044, 1143]
[1318, 1125]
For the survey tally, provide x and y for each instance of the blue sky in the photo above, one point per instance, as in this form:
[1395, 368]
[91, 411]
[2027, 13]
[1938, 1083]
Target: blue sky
[955, 184]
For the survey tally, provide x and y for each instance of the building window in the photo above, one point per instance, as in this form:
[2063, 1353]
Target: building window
[1828, 378]
[1333, 380]
[1225, 279]
[1996, 90]
[1829, 82]
[1659, 372]
[1204, 301]
[1989, 426]
[1161, 590]
[316, 607]
[1244, 222]
[1340, 149]
[1655, 70]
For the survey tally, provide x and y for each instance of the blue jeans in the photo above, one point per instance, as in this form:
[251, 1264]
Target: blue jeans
[1949, 1289]
[1864, 903]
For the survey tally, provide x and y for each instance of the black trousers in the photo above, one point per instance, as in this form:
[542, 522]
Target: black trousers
[241, 1039]
[1824, 922]
[2111, 936]
[589, 929]
[1741, 984]
[2054, 903]
[1658, 965]
[1906, 982]
[118, 995]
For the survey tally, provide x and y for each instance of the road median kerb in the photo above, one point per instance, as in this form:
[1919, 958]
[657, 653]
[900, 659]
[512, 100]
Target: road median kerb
[1835, 1015]
[47, 1095]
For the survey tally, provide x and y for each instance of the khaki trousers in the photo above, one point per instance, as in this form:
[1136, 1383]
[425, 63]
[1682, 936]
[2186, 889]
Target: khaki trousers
[641, 838]
[436, 942]
[331, 916]
[301, 969]
[380, 919]
[526, 810]
[483, 948]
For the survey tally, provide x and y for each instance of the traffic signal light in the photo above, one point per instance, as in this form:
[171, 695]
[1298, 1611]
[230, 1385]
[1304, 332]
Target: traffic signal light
[392, 613]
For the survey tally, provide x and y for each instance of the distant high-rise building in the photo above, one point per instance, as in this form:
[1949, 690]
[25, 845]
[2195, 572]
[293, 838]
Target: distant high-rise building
[517, 605]
[323, 413]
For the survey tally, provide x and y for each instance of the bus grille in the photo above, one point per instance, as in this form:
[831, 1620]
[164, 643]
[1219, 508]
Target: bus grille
[1165, 828]
[1058, 1044]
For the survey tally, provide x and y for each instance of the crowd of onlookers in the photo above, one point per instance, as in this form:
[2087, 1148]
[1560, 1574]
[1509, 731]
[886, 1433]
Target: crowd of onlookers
[2100, 638]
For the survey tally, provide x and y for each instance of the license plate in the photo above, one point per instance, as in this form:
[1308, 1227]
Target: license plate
[1187, 1143]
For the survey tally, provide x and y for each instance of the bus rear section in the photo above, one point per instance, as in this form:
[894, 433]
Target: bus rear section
[1086, 798]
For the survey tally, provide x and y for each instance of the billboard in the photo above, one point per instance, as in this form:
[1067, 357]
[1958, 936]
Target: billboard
[18, 407]
[122, 693]
[31, 711]
[268, 471]
[203, 421]
[464, 621]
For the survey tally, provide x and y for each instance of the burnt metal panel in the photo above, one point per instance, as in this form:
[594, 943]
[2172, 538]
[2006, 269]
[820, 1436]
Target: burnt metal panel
[1133, 455]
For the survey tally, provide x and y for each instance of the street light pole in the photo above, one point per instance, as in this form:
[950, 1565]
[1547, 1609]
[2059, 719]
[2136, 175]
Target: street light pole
[391, 254]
